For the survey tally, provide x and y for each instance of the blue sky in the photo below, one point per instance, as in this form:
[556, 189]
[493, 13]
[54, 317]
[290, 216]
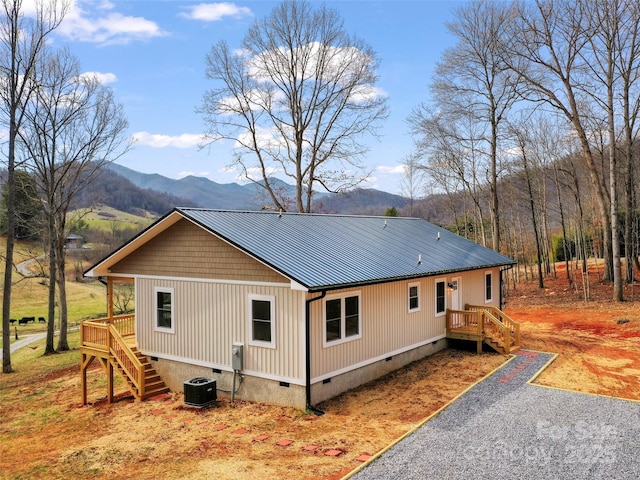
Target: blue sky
[152, 54]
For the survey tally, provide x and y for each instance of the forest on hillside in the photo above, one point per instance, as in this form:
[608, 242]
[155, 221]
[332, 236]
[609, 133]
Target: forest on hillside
[531, 137]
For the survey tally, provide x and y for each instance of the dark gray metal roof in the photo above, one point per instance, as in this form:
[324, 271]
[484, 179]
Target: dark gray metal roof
[330, 251]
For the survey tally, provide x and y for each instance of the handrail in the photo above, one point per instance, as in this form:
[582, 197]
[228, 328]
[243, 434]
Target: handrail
[127, 360]
[107, 335]
[503, 318]
[497, 330]
[94, 335]
[125, 324]
[464, 319]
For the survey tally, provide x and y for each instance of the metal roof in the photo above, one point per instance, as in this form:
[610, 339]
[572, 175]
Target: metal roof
[331, 251]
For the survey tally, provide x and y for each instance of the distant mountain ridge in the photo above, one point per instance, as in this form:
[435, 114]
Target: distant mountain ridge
[233, 196]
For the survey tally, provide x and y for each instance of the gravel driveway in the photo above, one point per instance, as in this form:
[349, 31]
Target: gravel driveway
[504, 427]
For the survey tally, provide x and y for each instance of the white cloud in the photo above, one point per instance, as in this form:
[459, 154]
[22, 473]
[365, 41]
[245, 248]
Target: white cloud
[228, 169]
[103, 78]
[395, 170]
[186, 140]
[266, 138]
[212, 12]
[255, 173]
[99, 23]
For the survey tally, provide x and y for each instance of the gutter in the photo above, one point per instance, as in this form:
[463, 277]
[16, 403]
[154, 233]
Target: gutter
[307, 321]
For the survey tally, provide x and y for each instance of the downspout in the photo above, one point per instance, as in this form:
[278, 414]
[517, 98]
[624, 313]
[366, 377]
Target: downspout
[307, 320]
[509, 267]
[106, 284]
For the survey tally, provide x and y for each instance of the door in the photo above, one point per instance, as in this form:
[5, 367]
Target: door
[455, 292]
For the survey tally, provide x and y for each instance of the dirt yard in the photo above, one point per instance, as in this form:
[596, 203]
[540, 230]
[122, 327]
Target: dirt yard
[46, 433]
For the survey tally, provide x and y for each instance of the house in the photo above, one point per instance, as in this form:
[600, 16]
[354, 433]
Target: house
[313, 304]
[73, 241]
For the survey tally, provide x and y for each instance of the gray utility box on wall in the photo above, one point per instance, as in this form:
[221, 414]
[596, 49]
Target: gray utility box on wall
[200, 392]
[237, 356]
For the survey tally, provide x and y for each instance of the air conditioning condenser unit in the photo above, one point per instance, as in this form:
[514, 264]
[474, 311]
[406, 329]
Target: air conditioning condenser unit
[200, 392]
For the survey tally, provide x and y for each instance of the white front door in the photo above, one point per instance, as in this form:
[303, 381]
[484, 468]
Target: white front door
[456, 296]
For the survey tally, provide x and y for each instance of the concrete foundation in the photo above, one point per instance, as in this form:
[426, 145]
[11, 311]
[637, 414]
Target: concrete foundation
[251, 388]
[322, 391]
[257, 389]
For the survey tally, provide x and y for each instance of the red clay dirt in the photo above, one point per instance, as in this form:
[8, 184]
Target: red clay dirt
[46, 433]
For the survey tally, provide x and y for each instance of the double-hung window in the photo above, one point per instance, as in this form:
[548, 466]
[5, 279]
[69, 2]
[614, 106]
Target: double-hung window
[262, 322]
[164, 309]
[441, 297]
[488, 287]
[342, 319]
[414, 297]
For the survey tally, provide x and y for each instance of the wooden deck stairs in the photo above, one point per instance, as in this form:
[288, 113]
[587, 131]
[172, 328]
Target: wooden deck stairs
[484, 325]
[112, 342]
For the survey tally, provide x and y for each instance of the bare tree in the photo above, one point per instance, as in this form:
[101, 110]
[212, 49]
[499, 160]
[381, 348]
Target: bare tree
[412, 182]
[614, 25]
[628, 65]
[297, 100]
[72, 128]
[449, 142]
[546, 49]
[523, 146]
[22, 39]
[473, 77]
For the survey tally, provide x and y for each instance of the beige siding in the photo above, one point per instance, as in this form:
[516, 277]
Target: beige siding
[473, 287]
[209, 317]
[187, 250]
[387, 327]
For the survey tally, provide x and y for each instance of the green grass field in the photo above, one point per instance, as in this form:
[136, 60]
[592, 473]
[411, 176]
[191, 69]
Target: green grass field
[29, 297]
[106, 218]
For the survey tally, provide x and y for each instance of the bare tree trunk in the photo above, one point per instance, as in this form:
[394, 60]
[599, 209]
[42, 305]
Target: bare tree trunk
[63, 344]
[8, 259]
[51, 313]
[562, 222]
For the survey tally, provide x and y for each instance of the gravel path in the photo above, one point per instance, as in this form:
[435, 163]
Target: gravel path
[504, 427]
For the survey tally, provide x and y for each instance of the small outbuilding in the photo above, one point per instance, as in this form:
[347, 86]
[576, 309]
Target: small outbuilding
[294, 308]
[73, 241]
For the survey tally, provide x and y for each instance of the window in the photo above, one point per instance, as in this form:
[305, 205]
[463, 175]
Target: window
[441, 298]
[414, 297]
[488, 287]
[262, 321]
[342, 319]
[164, 310]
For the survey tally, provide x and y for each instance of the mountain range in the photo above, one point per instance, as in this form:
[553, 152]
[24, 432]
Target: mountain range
[202, 192]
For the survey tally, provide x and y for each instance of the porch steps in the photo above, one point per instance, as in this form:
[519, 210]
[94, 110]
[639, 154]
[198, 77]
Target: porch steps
[484, 325]
[153, 384]
[498, 346]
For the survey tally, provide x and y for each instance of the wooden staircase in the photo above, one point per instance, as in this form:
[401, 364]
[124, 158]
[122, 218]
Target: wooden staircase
[152, 383]
[112, 342]
[485, 325]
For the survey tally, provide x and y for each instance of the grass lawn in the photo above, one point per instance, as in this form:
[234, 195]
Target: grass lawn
[29, 296]
[104, 218]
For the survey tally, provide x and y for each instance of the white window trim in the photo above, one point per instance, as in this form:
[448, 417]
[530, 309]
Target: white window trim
[416, 309]
[435, 296]
[156, 327]
[343, 323]
[272, 305]
[484, 287]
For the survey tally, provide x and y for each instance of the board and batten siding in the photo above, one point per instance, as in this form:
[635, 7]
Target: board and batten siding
[187, 250]
[388, 328]
[209, 317]
[473, 287]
